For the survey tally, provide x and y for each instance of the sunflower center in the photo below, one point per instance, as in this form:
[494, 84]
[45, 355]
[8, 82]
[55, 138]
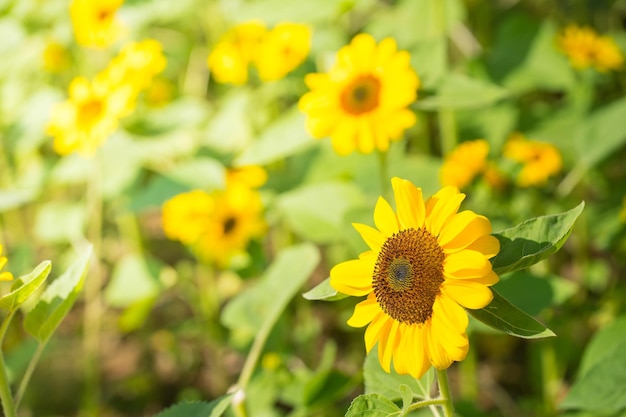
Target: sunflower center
[408, 274]
[90, 112]
[104, 15]
[361, 95]
[229, 225]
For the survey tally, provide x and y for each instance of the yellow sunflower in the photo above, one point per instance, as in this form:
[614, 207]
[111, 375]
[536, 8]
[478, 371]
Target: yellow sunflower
[464, 163]
[585, 48]
[83, 122]
[94, 22]
[282, 50]
[426, 262]
[218, 225]
[361, 103]
[4, 275]
[539, 160]
[607, 55]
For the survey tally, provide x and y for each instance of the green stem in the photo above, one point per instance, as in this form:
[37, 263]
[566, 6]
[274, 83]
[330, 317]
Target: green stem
[444, 391]
[8, 406]
[29, 372]
[426, 403]
[467, 370]
[447, 129]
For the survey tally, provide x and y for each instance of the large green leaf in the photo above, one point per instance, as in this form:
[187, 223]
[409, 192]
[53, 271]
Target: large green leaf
[198, 408]
[134, 278]
[23, 287]
[504, 316]
[57, 300]
[533, 240]
[377, 381]
[602, 345]
[459, 92]
[324, 292]
[268, 298]
[601, 388]
[372, 405]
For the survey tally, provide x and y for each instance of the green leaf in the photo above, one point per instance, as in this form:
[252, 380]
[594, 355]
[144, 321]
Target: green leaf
[459, 91]
[134, 278]
[533, 240]
[57, 300]
[10, 199]
[504, 316]
[407, 398]
[372, 405]
[377, 381]
[601, 388]
[198, 408]
[323, 291]
[602, 345]
[23, 287]
[284, 137]
[200, 172]
[269, 297]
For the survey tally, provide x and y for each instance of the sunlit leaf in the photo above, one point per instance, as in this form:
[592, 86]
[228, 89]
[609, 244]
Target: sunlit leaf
[10, 199]
[533, 240]
[215, 408]
[23, 287]
[324, 291]
[134, 278]
[502, 315]
[58, 298]
[268, 298]
[200, 172]
[459, 91]
[372, 405]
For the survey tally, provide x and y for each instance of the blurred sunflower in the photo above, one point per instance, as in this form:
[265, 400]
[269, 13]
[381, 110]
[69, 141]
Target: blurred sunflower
[4, 275]
[282, 50]
[55, 57]
[229, 59]
[83, 122]
[252, 176]
[539, 160]
[94, 22]
[464, 163]
[585, 49]
[217, 226]
[426, 262]
[361, 103]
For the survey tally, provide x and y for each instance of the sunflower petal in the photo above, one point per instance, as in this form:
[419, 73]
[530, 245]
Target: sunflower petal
[400, 355]
[371, 236]
[409, 204]
[463, 229]
[437, 355]
[417, 355]
[352, 277]
[364, 312]
[384, 218]
[440, 207]
[391, 345]
[372, 333]
[466, 264]
[384, 343]
[487, 245]
[468, 294]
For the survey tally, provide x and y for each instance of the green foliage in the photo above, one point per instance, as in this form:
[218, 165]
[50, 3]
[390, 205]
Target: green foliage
[23, 287]
[502, 315]
[57, 300]
[372, 405]
[533, 240]
[215, 408]
[323, 292]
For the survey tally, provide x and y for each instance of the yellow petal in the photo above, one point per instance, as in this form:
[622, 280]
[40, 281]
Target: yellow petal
[372, 332]
[451, 313]
[466, 264]
[364, 312]
[416, 351]
[437, 355]
[409, 204]
[352, 277]
[400, 356]
[386, 344]
[371, 236]
[487, 245]
[462, 229]
[488, 279]
[468, 294]
[384, 218]
[440, 207]
[365, 140]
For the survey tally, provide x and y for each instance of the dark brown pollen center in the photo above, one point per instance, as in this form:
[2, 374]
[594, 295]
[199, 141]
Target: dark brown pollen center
[229, 225]
[362, 95]
[408, 275]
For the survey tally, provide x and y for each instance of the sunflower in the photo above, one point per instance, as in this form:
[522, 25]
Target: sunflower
[361, 103]
[585, 48]
[464, 163]
[88, 117]
[217, 226]
[94, 22]
[426, 262]
[4, 275]
[282, 50]
[539, 160]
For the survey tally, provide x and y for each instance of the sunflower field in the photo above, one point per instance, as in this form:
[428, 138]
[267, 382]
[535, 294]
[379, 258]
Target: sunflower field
[266, 208]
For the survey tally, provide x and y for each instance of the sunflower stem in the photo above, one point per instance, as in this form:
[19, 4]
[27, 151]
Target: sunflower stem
[444, 391]
[8, 405]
